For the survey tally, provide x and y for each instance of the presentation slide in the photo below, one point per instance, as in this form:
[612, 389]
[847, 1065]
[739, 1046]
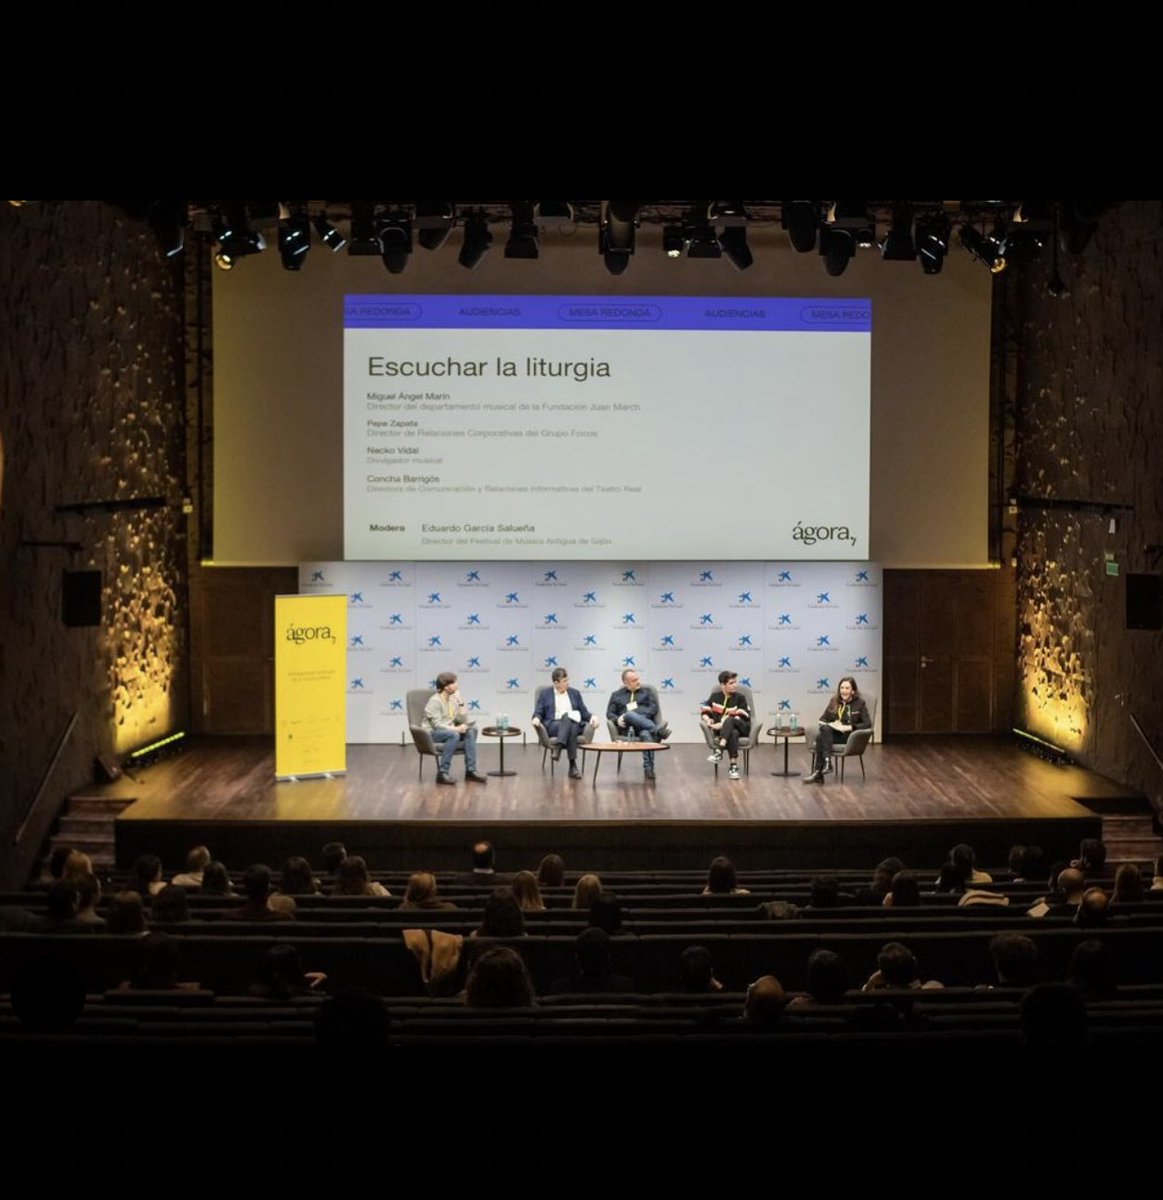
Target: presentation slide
[585, 427]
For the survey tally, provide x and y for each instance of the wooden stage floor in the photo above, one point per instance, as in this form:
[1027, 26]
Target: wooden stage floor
[984, 784]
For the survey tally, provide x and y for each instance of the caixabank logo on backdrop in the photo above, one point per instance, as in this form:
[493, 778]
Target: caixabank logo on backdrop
[784, 579]
[434, 600]
[783, 622]
[823, 645]
[550, 662]
[668, 687]
[396, 666]
[396, 620]
[785, 666]
[589, 641]
[434, 644]
[551, 577]
[553, 620]
[356, 686]
[668, 642]
[666, 600]
[472, 665]
[317, 578]
[864, 621]
[395, 707]
[822, 686]
[472, 579]
[512, 642]
[512, 600]
[509, 685]
[473, 620]
[706, 622]
[630, 578]
[822, 600]
[861, 665]
[744, 643]
[706, 663]
[358, 644]
[705, 578]
[862, 579]
[589, 600]
[358, 600]
[628, 620]
[743, 599]
[589, 684]
[395, 579]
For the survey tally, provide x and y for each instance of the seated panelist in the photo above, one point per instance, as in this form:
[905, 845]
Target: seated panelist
[563, 713]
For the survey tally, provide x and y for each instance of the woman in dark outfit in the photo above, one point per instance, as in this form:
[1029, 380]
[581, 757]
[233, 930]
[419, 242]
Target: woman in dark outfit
[845, 712]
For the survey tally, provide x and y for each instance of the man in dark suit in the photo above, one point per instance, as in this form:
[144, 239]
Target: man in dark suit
[563, 712]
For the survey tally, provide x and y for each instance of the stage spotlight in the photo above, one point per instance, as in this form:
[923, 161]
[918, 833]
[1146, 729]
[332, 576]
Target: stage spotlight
[984, 249]
[294, 238]
[672, 241]
[733, 242]
[236, 239]
[837, 246]
[522, 241]
[396, 240]
[328, 234]
[365, 240]
[853, 216]
[699, 234]
[616, 235]
[477, 240]
[801, 219]
[898, 242]
[933, 242]
[434, 220]
[555, 214]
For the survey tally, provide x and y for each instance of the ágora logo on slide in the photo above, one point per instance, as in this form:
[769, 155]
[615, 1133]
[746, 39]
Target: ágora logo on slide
[310, 633]
[811, 534]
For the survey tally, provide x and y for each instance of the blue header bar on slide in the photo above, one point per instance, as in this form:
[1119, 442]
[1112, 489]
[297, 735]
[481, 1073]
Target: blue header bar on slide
[607, 312]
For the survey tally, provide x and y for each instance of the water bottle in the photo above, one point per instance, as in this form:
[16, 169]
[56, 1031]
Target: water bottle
[793, 722]
[503, 721]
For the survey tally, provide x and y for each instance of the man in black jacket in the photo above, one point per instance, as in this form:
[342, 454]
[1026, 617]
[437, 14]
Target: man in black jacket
[634, 708]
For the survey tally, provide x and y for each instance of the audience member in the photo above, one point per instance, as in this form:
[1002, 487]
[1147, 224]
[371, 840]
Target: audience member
[216, 880]
[586, 892]
[256, 885]
[592, 971]
[882, 877]
[527, 892]
[333, 854]
[905, 891]
[951, 879]
[281, 975]
[721, 879]
[126, 914]
[352, 879]
[897, 967]
[696, 971]
[765, 1004]
[824, 893]
[499, 979]
[297, 878]
[421, 893]
[502, 916]
[551, 871]
[1091, 970]
[962, 856]
[278, 903]
[1015, 960]
[170, 906]
[827, 980]
[606, 913]
[77, 864]
[88, 896]
[1128, 885]
[1091, 860]
[484, 872]
[1025, 863]
[1157, 878]
[1092, 909]
[197, 860]
[63, 905]
[1064, 900]
[147, 876]
[159, 959]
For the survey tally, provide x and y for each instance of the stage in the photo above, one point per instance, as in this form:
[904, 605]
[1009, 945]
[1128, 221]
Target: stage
[919, 797]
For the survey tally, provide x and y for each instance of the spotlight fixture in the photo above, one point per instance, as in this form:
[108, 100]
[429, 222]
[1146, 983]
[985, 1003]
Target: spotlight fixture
[837, 246]
[168, 220]
[294, 237]
[853, 216]
[932, 242]
[898, 242]
[556, 214]
[365, 239]
[672, 241]
[328, 234]
[477, 240]
[699, 234]
[801, 219]
[236, 239]
[396, 241]
[522, 241]
[732, 217]
[434, 220]
[987, 250]
[616, 235]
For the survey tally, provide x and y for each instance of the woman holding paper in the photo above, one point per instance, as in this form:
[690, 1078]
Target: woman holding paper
[845, 712]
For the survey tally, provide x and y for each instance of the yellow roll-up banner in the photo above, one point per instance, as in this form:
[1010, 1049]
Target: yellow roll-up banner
[310, 685]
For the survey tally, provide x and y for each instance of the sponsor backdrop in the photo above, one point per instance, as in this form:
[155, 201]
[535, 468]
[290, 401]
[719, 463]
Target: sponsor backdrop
[791, 630]
[310, 684]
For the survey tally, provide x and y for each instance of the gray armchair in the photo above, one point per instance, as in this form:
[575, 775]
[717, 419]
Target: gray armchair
[858, 741]
[549, 744]
[746, 744]
[416, 699]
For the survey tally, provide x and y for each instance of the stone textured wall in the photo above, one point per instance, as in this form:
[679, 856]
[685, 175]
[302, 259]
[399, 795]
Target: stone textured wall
[1090, 426]
[91, 408]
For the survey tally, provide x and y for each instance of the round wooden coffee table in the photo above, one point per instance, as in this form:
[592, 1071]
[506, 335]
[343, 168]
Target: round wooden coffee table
[600, 748]
[497, 732]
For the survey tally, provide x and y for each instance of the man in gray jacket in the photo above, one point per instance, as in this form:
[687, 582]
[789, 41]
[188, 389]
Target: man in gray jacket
[446, 718]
